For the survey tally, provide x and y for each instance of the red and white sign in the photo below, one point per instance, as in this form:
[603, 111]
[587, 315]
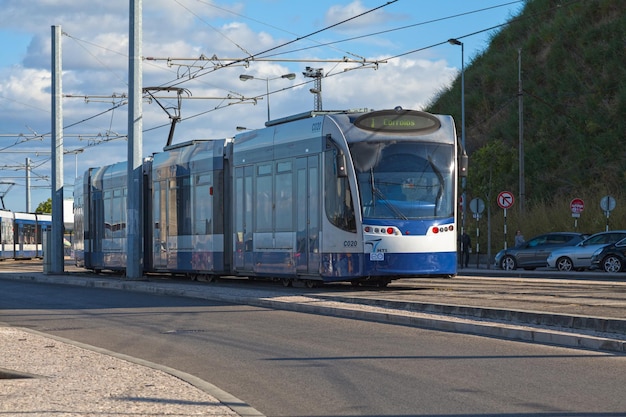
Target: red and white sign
[505, 199]
[577, 205]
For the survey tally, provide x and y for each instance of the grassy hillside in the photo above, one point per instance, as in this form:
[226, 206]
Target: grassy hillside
[573, 77]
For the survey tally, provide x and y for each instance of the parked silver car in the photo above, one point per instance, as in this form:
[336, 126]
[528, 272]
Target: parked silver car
[533, 253]
[578, 257]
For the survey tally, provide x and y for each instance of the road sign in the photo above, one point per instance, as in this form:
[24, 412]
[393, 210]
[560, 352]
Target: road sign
[577, 205]
[607, 203]
[477, 205]
[506, 199]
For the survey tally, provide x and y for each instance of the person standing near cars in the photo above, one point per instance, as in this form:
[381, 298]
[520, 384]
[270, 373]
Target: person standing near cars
[519, 238]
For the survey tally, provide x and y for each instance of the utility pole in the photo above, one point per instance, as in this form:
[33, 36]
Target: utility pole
[134, 211]
[27, 185]
[55, 249]
[317, 74]
[520, 96]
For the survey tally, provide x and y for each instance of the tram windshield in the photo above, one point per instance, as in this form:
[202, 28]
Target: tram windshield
[405, 180]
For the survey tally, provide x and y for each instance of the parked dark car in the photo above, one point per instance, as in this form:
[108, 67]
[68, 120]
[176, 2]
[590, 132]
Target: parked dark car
[610, 258]
[534, 252]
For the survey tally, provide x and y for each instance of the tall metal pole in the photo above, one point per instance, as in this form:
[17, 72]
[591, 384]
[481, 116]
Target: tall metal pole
[520, 95]
[27, 185]
[457, 42]
[56, 243]
[267, 89]
[134, 210]
[464, 179]
[316, 74]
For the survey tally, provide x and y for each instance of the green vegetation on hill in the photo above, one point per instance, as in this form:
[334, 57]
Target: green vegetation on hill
[573, 77]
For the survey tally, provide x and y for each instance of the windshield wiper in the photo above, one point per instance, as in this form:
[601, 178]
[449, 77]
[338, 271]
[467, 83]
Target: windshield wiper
[383, 198]
[441, 180]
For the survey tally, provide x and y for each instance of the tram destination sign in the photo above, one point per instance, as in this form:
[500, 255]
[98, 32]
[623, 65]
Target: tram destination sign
[398, 121]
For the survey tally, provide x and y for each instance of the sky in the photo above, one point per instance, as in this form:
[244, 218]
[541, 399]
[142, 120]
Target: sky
[373, 54]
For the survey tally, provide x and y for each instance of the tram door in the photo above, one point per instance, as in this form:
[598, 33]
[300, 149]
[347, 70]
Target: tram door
[308, 215]
[159, 224]
[243, 255]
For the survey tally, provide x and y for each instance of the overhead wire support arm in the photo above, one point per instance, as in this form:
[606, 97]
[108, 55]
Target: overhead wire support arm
[215, 58]
[226, 62]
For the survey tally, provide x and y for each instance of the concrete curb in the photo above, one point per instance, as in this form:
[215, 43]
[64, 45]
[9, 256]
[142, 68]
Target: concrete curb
[535, 327]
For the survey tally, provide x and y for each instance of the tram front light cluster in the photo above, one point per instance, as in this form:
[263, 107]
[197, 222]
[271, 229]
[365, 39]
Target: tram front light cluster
[382, 230]
[442, 229]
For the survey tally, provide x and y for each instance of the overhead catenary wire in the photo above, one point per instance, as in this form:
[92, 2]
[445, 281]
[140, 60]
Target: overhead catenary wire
[262, 55]
[259, 55]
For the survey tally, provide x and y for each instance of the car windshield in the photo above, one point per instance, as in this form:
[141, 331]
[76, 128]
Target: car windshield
[601, 239]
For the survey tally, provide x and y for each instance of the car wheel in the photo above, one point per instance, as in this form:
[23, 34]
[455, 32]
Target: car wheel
[612, 264]
[508, 263]
[564, 264]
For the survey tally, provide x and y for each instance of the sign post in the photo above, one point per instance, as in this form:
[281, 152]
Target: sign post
[607, 204]
[477, 206]
[577, 205]
[505, 201]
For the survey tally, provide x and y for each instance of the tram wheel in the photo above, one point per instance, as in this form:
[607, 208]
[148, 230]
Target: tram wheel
[286, 282]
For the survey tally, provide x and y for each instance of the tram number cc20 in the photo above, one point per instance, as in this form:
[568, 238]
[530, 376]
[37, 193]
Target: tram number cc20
[316, 127]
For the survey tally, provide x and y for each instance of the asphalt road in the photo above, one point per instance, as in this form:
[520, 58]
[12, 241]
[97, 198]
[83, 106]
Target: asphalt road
[293, 364]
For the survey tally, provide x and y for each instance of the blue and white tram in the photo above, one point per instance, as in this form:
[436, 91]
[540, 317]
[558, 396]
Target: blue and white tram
[346, 196]
[21, 234]
[7, 234]
[321, 196]
[28, 228]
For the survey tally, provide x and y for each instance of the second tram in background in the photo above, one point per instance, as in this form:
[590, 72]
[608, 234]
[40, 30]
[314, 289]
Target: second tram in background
[21, 234]
[319, 197]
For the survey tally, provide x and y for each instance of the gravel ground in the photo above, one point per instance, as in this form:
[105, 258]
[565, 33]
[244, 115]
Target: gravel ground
[68, 380]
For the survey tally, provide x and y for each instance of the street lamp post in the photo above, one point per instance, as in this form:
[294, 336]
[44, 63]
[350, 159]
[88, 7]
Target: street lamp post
[246, 77]
[457, 42]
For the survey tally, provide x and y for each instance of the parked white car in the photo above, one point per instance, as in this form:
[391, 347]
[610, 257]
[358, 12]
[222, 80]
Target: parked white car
[578, 257]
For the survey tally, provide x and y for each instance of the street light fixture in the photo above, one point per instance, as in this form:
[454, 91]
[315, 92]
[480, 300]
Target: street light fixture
[246, 77]
[457, 42]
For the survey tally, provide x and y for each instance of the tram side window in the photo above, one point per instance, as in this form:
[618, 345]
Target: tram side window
[284, 196]
[184, 206]
[29, 234]
[264, 198]
[115, 213]
[338, 199]
[107, 200]
[203, 205]
[7, 231]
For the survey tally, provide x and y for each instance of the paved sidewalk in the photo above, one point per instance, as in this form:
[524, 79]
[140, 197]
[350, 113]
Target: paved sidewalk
[45, 376]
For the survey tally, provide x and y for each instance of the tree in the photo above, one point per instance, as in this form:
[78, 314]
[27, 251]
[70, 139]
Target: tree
[45, 207]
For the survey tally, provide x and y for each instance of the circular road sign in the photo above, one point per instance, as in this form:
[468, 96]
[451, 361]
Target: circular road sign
[577, 205]
[607, 203]
[477, 205]
[505, 199]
